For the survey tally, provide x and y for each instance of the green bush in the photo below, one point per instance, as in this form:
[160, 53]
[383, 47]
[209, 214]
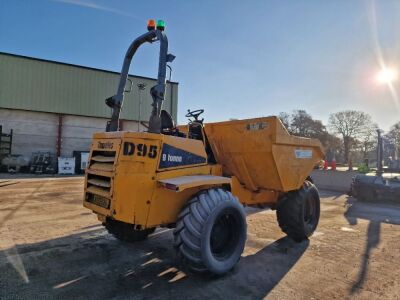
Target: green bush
[363, 168]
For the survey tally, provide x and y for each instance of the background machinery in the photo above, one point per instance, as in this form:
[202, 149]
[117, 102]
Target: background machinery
[376, 187]
[197, 178]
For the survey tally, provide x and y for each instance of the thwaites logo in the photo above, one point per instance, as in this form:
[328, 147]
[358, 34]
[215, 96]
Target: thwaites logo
[131, 149]
[105, 145]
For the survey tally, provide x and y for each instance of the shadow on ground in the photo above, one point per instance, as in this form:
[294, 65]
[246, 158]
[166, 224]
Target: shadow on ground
[376, 214]
[93, 264]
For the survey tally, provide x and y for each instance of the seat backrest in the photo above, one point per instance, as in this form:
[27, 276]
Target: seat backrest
[167, 123]
[196, 131]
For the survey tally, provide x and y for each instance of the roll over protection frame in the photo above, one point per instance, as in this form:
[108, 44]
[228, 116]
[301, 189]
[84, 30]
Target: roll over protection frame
[157, 92]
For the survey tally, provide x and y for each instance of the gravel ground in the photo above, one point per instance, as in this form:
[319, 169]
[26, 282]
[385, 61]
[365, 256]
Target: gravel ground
[52, 247]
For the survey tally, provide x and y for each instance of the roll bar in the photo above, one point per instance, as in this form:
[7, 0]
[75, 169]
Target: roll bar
[157, 92]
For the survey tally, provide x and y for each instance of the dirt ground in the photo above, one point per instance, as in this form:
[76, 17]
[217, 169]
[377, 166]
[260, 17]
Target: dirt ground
[52, 247]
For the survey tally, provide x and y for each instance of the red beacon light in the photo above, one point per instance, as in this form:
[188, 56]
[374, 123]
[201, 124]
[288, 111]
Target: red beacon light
[151, 24]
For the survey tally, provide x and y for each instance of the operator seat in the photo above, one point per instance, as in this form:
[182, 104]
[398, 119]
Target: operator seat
[168, 125]
[196, 130]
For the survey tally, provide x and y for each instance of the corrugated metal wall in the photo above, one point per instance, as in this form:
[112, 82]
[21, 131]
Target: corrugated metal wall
[38, 85]
[37, 131]
[32, 131]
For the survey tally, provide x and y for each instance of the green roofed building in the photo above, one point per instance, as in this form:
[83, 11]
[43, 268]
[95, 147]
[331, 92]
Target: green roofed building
[56, 107]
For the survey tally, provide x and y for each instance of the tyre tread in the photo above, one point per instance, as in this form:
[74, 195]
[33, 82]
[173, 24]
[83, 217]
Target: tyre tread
[289, 210]
[188, 231]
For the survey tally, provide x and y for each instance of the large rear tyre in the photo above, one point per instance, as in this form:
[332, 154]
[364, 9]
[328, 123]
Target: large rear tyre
[126, 232]
[298, 212]
[211, 232]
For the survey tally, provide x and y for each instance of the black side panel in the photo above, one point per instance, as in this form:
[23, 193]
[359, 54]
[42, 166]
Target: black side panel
[175, 157]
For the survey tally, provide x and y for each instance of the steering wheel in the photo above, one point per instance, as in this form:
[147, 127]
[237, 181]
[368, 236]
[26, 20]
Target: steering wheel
[194, 114]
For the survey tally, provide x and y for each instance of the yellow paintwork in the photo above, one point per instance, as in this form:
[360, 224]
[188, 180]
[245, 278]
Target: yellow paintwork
[248, 197]
[182, 183]
[256, 156]
[262, 154]
[135, 193]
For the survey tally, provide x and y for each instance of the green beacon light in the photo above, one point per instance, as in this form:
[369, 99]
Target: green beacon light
[160, 25]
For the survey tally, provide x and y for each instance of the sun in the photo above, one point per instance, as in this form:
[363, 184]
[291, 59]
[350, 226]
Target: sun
[386, 75]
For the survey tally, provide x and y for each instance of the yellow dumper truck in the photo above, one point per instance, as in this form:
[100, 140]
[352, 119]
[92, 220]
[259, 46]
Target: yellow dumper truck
[197, 178]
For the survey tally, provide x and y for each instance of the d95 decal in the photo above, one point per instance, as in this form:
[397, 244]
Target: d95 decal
[131, 149]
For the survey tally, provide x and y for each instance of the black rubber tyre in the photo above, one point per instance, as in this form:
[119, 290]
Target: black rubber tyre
[298, 212]
[367, 193]
[126, 232]
[211, 232]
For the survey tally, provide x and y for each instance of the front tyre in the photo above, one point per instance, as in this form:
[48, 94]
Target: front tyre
[211, 232]
[298, 212]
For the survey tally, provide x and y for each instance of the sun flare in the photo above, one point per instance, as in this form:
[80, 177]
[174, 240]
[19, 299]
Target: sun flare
[386, 75]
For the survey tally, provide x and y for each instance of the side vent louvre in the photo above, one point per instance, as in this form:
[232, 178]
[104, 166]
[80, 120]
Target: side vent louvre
[98, 189]
[102, 160]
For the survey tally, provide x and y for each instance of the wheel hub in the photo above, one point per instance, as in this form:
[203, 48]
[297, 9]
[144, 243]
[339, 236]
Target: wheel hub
[223, 238]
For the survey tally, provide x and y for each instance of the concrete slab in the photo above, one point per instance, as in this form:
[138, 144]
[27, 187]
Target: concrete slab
[52, 247]
[339, 181]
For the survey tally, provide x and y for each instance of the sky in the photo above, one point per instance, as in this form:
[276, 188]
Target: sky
[235, 59]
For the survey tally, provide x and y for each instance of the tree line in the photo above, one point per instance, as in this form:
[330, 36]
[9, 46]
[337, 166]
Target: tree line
[349, 137]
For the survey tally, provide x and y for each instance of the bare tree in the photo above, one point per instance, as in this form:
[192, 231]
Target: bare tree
[393, 137]
[351, 125]
[300, 123]
[285, 119]
[369, 140]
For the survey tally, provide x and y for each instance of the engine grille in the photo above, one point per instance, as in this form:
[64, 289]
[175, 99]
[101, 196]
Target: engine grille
[102, 161]
[99, 178]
